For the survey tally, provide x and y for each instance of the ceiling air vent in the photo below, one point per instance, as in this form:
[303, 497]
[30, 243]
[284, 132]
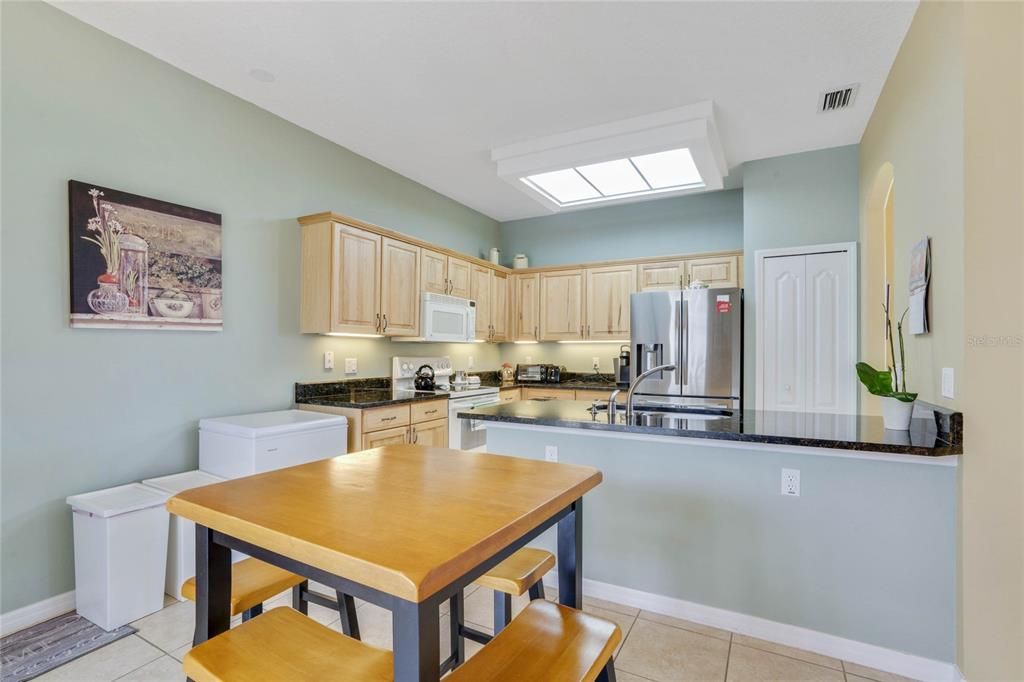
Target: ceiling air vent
[840, 98]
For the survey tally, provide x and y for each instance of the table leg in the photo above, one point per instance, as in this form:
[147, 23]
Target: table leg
[213, 587]
[416, 634]
[570, 557]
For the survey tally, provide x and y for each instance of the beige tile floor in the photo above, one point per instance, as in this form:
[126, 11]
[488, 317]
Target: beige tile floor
[655, 648]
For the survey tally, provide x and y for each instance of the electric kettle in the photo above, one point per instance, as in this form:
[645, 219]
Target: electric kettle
[424, 378]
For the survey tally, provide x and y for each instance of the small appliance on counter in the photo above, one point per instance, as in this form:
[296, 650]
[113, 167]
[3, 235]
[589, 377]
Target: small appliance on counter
[507, 374]
[540, 374]
[620, 367]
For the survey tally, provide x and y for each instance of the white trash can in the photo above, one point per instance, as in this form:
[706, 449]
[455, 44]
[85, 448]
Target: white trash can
[181, 548]
[120, 553]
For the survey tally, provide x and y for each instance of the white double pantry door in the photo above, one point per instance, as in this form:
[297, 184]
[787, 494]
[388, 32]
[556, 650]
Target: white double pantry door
[807, 331]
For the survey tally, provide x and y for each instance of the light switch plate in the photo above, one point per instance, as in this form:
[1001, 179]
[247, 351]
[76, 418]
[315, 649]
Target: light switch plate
[350, 366]
[469, 363]
[948, 383]
[329, 359]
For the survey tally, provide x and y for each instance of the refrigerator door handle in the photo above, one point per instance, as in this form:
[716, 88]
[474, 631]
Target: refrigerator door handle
[684, 342]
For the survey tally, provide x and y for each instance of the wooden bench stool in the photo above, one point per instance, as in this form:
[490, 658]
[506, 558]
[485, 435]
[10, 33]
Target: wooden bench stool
[282, 644]
[254, 582]
[521, 572]
[546, 642]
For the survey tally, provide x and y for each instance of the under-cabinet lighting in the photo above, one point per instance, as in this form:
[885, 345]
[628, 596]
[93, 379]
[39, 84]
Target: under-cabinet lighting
[355, 335]
[525, 343]
[597, 341]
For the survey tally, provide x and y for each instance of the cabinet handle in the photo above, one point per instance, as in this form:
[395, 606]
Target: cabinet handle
[389, 419]
[377, 328]
[536, 334]
[588, 330]
[434, 411]
[581, 331]
[385, 323]
[413, 436]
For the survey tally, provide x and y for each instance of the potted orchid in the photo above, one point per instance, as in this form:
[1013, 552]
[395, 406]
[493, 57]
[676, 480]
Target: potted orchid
[107, 230]
[891, 384]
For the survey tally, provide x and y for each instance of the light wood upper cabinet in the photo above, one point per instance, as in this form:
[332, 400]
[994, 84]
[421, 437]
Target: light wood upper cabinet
[480, 291]
[663, 275]
[561, 305]
[715, 271]
[608, 292]
[355, 281]
[460, 278]
[433, 272]
[499, 306]
[526, 307]
[399, 298]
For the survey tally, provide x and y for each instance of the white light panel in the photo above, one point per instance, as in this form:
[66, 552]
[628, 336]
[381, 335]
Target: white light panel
[674, 168]
[614, 177]
[564, 186]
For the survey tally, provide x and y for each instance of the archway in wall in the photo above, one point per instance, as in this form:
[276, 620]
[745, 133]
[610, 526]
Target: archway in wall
[877, 268]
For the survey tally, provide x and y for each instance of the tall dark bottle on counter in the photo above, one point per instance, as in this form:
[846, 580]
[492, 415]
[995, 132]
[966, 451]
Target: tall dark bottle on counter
[621, 367]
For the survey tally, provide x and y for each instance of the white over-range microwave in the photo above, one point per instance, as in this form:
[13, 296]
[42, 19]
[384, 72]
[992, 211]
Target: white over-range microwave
[448, 318]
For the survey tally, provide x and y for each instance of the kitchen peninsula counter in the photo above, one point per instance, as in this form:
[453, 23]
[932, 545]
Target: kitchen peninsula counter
[934, 432]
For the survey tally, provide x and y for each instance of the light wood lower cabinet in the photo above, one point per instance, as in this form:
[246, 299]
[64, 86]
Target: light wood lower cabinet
[376, 439]
[428, 410]
[509, 395]
[561, 305]
[431, 434]
[554, 393]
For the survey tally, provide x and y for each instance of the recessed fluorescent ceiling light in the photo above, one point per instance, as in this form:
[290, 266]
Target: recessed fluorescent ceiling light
[635, 176]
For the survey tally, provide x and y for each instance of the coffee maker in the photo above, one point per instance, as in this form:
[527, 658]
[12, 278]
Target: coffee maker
[620, 366]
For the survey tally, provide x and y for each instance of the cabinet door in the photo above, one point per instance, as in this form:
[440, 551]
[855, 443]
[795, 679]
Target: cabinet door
[355, 289]
[480, 291]
[432, 434]
[715, 271]
[550, 393]
[459, 278]
[499, 306]
[526, 294]
[396, 436]
[433, 272]
[661, 276]
[608, 292]
[508, 395]
[399, 298]
[561, 305]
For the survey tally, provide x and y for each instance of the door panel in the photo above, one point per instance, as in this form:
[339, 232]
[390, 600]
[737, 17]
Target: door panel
[785, 332]
[355, 290]
[397, 436]
[459, 275]
[400, 277]
[608, 292]
[433, 272]
[480, 292]
[661, 276]
[561, 305]
[499, 306]
[526, 292]
[431, 434]
[830, 379]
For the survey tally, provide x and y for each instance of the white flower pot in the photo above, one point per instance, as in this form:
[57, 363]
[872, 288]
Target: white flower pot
[896, 414]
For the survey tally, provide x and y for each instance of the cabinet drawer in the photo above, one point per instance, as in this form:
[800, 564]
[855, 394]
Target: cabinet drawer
[426, 411]
[593, 394]
[385, 417]
[377, 439]
[556, 393]
[509, 395]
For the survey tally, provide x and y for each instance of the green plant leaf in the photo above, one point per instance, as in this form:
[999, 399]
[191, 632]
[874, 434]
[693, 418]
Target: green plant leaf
[878, 382]
[903, 396]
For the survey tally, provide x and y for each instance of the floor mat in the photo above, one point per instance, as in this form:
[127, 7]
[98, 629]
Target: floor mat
[43, 647]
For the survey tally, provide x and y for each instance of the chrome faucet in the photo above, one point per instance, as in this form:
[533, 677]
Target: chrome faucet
[636, 383]
[613, 408]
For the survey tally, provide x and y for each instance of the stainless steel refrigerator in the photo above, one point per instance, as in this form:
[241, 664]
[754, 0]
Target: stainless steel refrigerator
[700, 332]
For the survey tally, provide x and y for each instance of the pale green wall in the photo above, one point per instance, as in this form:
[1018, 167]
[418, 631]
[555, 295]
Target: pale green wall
[794, 200]
[86, 409]
[699, 222]
[867, 552]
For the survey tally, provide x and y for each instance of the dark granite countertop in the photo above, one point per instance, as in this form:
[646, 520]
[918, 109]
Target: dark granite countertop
[570, 381]
[841, 432]
[358, 393]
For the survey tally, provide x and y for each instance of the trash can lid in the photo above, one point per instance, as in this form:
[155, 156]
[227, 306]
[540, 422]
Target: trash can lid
[176, 483]
[117, 501]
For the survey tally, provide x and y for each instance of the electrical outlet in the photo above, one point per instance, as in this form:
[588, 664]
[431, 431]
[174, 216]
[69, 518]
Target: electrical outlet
[597, 363]
[791, 482]
[947, 383]
[350, 366]
[329, 360]
[551, 453]
[469, 363]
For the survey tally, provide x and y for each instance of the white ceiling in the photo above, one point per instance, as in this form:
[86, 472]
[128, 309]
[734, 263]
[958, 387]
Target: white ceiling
[429, 88]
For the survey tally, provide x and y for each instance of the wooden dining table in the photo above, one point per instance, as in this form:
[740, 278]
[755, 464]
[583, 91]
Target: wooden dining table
[405, 527]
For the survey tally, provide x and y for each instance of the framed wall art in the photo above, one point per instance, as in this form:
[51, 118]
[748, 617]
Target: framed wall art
[143, 263]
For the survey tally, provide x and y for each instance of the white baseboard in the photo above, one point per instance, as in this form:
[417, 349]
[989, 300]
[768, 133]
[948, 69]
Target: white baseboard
[27, 616]
[870, 655]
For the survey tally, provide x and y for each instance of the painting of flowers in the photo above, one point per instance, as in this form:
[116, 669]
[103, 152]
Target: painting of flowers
[143, 263]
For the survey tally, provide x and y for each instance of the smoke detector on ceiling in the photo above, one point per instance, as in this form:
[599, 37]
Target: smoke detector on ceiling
[837, 98]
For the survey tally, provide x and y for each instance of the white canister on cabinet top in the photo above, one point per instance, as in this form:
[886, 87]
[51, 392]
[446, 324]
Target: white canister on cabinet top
[520, 261]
